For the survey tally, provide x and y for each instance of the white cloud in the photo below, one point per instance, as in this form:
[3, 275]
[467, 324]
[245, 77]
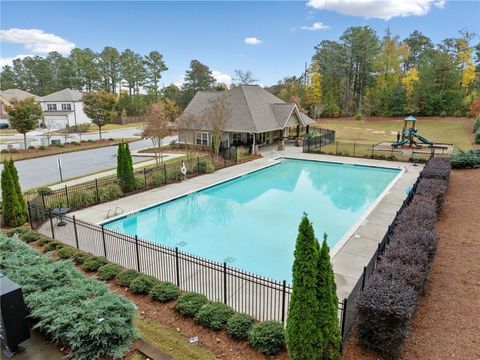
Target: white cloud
[179, 82]
[252, 41]
[36, 40]
[9, 59]
[382, 9]
[315, 26]
[221, 77]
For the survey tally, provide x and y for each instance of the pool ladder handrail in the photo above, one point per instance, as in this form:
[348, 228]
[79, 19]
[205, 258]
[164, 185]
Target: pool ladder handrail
[118, 210]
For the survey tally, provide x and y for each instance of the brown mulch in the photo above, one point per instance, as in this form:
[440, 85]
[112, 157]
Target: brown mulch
[216, 342]
[447, 322]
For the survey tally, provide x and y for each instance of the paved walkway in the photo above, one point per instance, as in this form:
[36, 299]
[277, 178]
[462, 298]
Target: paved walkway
[351, 253]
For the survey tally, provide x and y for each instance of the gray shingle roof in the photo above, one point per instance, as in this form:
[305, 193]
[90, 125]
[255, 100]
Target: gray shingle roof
[63, 95]
[18, 94]
[254, 109]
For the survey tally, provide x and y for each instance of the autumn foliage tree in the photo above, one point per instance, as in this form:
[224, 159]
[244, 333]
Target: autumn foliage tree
[100, 107]
[24, 116]
[214, 119]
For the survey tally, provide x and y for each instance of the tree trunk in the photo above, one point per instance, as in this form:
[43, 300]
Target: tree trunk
[25, 140]
[100, 132]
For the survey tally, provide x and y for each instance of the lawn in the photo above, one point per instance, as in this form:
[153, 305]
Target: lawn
[373, 130]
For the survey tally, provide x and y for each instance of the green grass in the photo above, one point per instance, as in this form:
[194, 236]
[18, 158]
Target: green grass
[170, 341]
[436, 129]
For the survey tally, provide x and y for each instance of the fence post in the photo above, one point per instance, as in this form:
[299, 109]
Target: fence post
[96, 190]
[145, 176]
[364, 276]
[165, 172]
[198, 165]
[43, 201]
[336, 148]
[284, 291]
[224, 162]
[104, 244]
[354, 148]
[29, 214]
[373, 145]
[75, 231]
[177, 267]
[138, 256]
[51, 223]
[344, 312]
[224, 282]
[66, 195]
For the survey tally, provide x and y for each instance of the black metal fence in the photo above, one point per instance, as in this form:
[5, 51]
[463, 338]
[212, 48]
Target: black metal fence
[326, 144]
[110, 187]
[349, 313]
[321, 138]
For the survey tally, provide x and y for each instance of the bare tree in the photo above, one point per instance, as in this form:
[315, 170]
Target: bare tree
[214, 119]
[244, 77]
[158, 126]
[49, 127]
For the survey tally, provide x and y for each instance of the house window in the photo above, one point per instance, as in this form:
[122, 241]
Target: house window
[66, 107]
[52, 107]
[201, 138]
[236, 138]
[249, 138]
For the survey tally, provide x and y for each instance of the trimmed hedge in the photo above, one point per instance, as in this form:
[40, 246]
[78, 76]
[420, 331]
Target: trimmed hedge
[268, 337]
[74, 310]
[239, 325]
[80, 257]
[388, 303]
[142, 284]
[126, 277]
[109, 271]
[190, 303]
[94, 263]
[165, 291]
[214, 315]
[66, 252]
[52, 246]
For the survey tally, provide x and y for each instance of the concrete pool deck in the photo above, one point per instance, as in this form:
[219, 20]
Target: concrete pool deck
[354, 251]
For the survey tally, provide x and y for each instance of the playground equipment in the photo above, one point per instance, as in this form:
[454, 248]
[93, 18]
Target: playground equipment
[409, 134]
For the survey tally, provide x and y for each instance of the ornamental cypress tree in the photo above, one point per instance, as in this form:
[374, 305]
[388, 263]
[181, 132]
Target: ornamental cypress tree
[327, 305]
[18, 189]
[12, 211]
[129, 177]
[303, 328]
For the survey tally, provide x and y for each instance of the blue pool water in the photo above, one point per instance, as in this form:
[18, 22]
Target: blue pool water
[251, 222]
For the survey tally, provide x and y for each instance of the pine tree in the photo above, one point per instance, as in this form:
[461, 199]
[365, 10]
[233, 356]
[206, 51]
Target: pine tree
[18, 189]
[330, 339]
[12, 211]
[303, 329]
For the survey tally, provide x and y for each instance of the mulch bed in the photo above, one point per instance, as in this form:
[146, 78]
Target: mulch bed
[446, 324]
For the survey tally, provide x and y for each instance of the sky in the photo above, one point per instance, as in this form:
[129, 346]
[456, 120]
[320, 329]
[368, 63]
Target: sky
[273, 39]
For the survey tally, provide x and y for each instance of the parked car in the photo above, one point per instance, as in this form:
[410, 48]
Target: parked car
[4, 125]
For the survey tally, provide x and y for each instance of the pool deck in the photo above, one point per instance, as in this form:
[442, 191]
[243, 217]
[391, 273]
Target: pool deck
[352, 253]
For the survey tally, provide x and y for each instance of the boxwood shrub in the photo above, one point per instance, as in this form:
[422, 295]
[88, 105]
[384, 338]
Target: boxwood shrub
[126, 277]
[239, 325]
[165, 291]
[268, 337]
[94, 263]
[214, 315]
[80, 257]
[385, 309]
[53, 245]
[66, 252]
[109, 271]
[190, 303]
[76, 311]
[142, 284]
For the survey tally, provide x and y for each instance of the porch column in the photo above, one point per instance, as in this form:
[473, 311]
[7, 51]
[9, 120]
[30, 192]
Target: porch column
[298, 130]
[308, 129]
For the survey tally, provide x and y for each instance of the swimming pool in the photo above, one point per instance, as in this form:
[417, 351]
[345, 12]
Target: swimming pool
[251, 222]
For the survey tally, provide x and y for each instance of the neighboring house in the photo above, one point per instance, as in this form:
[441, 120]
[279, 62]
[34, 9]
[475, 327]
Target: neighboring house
[7, 96]
[257, 116]
[64, 108]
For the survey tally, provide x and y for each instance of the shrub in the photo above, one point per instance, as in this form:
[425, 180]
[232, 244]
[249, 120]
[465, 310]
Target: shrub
[413, 275]
[432, 189]
[476, 125]
[81, 199]
[80, 257]
[190, 303]
[142, 284]
[165, 291]
[126, 277]
[45, 191]
[214, 315]
[109, 271]
[53, 245]
[4, 151]
[477, 137]
[109, 192]
[419, 214]
[466, 159]
[13, 151]
[239, 325]
[66, 252]
[78, 312]
[31, 147]
[94, 263]
[42, 147]
[267, 337]
[44, 241]
[437, 168]
[204, 167]
[385, 309]
[358, 116]
[30, 235]
[158, 178]
[427, 239]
